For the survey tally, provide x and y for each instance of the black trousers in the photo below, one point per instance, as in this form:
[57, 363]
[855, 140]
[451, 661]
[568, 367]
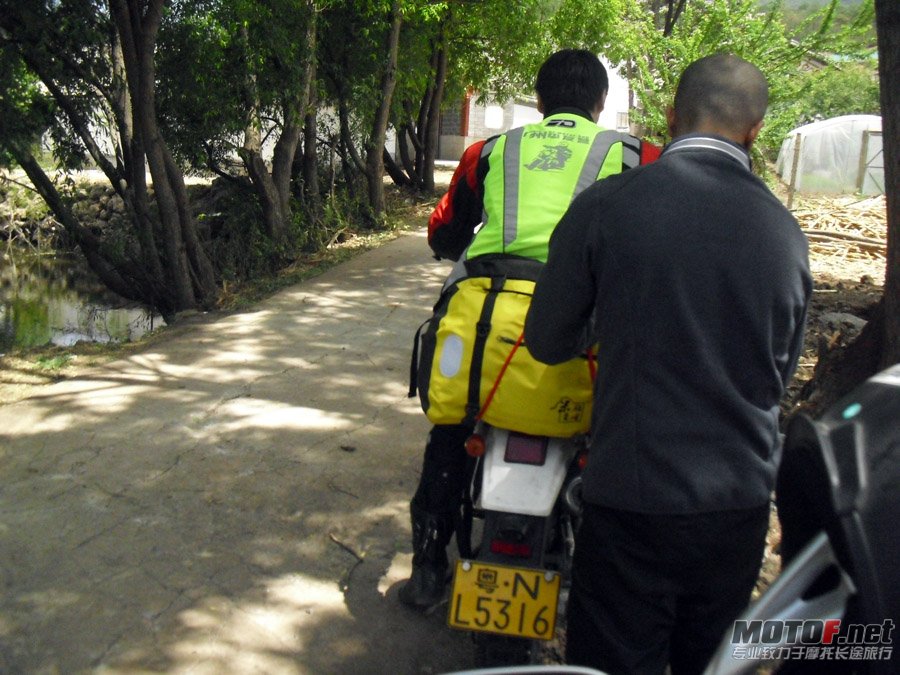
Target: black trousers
[443, 470]
[651, 590]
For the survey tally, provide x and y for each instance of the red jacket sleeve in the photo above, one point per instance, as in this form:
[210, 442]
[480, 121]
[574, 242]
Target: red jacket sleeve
[452, 224]
[638, 152]
[649, 152]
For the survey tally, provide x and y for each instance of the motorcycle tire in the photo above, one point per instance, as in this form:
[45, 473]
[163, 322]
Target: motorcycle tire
[498, 650]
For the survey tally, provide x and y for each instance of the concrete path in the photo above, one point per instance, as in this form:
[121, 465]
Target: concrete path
[234, 498]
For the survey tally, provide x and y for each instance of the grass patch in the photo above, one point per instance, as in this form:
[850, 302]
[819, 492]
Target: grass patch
[53, 363]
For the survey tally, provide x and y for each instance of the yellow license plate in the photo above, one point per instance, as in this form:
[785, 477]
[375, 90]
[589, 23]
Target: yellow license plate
[506, 600]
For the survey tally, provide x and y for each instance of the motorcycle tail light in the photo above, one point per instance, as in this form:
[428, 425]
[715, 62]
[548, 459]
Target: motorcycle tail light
[582, 459]
[524, 449]
[511, 548]
[475, 446]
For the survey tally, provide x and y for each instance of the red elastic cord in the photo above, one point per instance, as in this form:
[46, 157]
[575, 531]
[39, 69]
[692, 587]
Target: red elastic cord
[490, 396]
[592, 364]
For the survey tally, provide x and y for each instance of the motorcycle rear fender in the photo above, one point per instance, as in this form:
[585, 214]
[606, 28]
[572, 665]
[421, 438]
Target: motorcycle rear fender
[523, 488]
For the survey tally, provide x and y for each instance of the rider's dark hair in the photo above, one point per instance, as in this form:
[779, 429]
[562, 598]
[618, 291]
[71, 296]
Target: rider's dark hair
[571, 78]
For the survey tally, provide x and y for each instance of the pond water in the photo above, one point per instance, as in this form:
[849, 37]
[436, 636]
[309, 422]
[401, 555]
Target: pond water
[57, 300]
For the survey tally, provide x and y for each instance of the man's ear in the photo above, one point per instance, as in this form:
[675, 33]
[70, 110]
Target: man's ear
[540, 104]
[752, 134]
[601, 104]
[670, 120]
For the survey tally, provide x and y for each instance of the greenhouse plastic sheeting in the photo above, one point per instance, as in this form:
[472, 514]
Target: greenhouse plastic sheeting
[838, 155]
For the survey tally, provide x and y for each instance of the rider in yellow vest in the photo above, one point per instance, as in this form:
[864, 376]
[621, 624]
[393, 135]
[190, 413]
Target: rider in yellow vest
[533, 174]
[505, 199]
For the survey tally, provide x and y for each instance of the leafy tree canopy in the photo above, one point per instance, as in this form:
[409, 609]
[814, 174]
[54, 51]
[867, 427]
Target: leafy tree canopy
[741, 27]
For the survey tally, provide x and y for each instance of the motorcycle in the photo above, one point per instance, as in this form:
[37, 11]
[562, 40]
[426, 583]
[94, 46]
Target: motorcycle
[516, 538]
[516, 529]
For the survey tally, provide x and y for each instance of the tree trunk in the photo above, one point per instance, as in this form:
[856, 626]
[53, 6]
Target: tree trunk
[273, 215]
[311, 195]
[134, 188]
[433, 128]
[374, 161]
[349, 156]
[188, 270]
[394, 171]
[887, 22]
[419, 137]
[295, 110]
[283, 160]
[274, 189]
[143, 98]
[164, 264]
[407, 136]
[269, 200]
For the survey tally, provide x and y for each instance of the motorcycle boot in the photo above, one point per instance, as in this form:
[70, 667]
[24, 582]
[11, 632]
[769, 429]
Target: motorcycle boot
[430, 535]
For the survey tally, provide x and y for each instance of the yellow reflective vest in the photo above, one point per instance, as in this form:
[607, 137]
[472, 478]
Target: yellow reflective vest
[534, 173]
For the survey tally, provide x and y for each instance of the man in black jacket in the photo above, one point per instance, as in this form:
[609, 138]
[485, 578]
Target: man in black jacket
[695, 281]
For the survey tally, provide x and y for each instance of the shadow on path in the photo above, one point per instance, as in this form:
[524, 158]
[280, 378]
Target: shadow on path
[233, 499]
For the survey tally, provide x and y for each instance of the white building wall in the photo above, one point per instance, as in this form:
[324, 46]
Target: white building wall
[615, 112]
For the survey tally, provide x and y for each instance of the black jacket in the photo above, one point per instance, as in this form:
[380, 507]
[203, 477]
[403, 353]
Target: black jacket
[695, 279]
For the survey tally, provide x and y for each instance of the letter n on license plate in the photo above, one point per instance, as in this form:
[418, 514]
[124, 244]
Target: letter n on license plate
[506, 600]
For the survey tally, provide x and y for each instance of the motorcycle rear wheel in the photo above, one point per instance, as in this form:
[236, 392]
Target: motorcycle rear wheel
[499, 650]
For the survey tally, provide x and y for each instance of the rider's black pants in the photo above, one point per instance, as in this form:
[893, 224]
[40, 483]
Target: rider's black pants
[435, 507]
[650, 590]
[443, 470]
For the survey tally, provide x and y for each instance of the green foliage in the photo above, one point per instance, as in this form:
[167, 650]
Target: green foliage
[493, 50]
[25, 110]
[341, 213]
[30, 321]
[66, 42]
[237, 243]
[741, 28]
[19, 202]
[201, 101]
[586, 24]
[232, 219]
[497, 51]
[222, 65]
[219, 62]
[351, 59]
[53, 363]
[846, 13]
[843, 88]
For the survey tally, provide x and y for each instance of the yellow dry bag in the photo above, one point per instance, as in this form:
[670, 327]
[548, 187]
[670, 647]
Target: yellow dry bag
[470, 363]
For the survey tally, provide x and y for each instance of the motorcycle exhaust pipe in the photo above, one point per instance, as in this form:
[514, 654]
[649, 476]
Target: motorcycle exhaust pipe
[572, 497]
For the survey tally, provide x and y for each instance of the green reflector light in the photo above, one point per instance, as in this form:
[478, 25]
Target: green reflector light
[851, 410]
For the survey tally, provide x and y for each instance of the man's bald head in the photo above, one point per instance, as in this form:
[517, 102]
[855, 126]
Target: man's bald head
[721, 94]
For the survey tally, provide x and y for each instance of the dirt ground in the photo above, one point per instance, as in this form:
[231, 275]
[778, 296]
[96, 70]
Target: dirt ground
[231, 496]
[847, 238]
